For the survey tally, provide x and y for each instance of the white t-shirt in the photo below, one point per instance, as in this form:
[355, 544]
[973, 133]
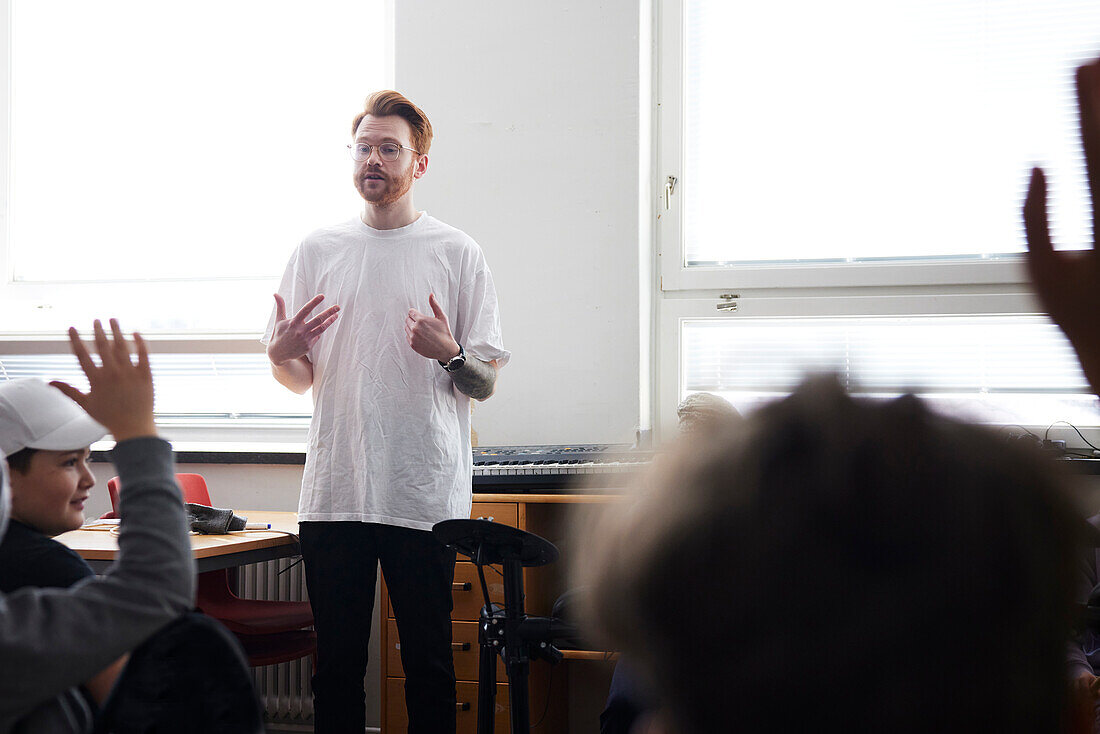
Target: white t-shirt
[390, 436]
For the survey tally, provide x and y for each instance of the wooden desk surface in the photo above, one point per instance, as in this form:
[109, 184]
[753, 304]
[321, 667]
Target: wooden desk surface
[548, 499]
[102, 545]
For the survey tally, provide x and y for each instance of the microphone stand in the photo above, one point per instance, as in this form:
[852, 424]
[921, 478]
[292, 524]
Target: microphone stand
[506, 632]
[517, 638]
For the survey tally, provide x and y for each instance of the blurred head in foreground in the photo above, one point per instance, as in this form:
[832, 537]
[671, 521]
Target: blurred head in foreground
[841, 564]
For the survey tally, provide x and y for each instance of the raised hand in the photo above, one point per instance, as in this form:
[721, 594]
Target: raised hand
[120, 394]
[292, 338]
[1068, 282]
[430, 336]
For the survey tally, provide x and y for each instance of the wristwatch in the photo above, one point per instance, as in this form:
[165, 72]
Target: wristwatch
[454, 363]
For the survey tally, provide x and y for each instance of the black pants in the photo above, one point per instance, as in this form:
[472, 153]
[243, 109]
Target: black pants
[341, 566]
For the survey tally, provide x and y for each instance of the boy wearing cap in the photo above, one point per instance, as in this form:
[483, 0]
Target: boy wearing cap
[184, 674]
[46, 436]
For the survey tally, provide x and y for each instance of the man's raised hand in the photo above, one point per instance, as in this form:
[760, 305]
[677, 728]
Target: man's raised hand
[430, 336]
[293, 338]
[120, 393]
[1068, 282]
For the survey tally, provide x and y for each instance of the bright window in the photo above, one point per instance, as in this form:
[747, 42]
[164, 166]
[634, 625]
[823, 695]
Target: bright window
[859, 130]
[165, 160]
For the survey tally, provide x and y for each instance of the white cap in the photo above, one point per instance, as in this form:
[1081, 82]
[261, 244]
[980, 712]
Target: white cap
[37, 416]
[5, 497]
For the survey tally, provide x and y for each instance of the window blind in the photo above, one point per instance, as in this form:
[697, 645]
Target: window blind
[215, 386]
[997, 369]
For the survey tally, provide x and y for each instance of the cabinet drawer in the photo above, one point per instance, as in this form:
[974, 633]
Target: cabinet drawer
[463, 645]
[397, 719]
[468, 598]
[503, 512]
[466, 592]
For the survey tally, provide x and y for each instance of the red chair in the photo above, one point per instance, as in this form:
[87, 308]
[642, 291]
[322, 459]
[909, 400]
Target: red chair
[248, 616]
[193, 487]
[270, 631]
[281, 647]
[112, 491]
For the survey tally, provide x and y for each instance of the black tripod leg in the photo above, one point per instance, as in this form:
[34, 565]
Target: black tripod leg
[519, 697]
[486, 689]
[516, 662]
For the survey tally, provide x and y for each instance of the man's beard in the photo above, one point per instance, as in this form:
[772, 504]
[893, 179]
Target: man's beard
[393, 189]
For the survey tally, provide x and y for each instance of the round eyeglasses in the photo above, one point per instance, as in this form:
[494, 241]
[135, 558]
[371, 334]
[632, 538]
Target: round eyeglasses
[388, 152]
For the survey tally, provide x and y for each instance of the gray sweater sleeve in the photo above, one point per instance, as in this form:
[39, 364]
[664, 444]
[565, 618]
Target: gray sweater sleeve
[53, 639]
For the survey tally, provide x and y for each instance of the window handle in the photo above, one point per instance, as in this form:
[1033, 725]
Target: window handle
[670, 189]
[729, 302]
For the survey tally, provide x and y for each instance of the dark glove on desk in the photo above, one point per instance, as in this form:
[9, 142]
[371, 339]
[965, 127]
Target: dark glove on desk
[213, 520]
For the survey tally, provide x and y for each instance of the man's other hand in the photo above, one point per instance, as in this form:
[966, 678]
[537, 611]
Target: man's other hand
[293, 338]
[430, 336]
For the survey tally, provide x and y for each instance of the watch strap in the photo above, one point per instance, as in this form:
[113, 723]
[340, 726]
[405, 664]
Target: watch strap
[456, 361]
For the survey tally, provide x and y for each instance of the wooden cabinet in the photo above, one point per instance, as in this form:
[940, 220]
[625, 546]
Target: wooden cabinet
[551, 696]
[466, 720]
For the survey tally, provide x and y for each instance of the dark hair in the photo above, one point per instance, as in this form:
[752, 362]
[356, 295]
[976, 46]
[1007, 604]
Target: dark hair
[388, 102]
[847, 565]
[20, 461]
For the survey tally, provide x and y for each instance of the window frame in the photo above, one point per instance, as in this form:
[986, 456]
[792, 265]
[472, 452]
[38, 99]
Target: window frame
[926, 287]
[669, 126]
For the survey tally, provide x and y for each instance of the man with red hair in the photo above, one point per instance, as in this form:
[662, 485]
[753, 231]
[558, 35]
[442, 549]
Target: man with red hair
[412, 334]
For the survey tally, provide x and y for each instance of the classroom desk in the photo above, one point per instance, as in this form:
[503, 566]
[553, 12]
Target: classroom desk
[212, 552]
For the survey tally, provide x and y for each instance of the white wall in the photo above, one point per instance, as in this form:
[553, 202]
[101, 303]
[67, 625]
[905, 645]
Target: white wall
[535, 110]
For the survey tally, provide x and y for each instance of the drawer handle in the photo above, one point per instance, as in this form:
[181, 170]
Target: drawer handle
[463, 586]
[462, 706]
[463, 646]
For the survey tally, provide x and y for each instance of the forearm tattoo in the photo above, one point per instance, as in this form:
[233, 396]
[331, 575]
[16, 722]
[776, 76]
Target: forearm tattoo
[475, 378]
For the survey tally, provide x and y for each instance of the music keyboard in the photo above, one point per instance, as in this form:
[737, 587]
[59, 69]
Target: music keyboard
[555, 468]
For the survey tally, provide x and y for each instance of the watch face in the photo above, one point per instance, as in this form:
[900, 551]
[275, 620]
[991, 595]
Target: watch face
[456, 361]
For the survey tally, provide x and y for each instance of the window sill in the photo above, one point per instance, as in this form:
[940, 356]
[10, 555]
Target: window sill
[185, 452]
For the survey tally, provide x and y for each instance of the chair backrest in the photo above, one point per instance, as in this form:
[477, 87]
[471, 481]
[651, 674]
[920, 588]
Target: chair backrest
[112, 490]
[193, 487]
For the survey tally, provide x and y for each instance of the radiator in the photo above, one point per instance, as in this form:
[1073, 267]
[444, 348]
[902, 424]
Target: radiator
[284, 689]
